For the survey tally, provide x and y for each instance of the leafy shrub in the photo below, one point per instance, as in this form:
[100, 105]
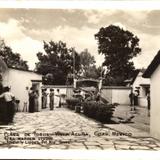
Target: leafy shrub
[72, 102]
[100, 111]
[89, 108]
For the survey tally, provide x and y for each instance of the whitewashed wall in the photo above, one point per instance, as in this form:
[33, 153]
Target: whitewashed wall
[106, 93]
[121, 96]
[66, 90]
[142, 101]
[116, 94]
[155, 104]
[18, 80]
[112, 94]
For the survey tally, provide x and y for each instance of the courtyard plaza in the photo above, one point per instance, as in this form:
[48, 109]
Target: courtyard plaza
[66, 129]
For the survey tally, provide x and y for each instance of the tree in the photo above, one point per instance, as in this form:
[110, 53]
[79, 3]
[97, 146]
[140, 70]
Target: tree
[92, 72]
[87, 65]
[57, 62]
[10, 58]
[119, 47]
[86, 58]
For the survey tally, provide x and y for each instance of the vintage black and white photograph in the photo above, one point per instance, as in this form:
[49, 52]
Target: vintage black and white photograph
[80, 79]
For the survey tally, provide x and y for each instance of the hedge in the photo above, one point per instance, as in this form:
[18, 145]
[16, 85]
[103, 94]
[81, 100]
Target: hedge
[72, 102]
[98, 110]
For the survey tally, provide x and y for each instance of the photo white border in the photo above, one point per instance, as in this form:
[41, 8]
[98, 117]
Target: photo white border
[16, 153]
[80, 154]
[83, 4]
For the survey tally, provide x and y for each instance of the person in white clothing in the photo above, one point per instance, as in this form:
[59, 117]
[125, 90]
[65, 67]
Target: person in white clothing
[8, 96]
[57, 99]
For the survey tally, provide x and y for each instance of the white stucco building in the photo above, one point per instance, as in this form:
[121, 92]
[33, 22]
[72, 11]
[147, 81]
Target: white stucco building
[153, 72]
[20, 81]
[143, 85]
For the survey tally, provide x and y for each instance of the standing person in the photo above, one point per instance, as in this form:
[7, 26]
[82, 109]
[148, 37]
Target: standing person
[136, 99]
[131, 97]
[57, 99]
[148, 103]
[9, 105]
[2, 106]
[51, 96]
[44, 98]
[36, 96]
[31, 100]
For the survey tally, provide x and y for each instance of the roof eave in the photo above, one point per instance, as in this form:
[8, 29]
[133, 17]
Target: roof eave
[152, 67]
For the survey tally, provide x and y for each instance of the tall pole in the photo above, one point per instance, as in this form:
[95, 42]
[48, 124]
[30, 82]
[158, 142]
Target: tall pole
[74, 83]
[101, 79]
[74, 63]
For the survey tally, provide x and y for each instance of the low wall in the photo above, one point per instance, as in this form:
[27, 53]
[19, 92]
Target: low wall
[107, 94]
[116, 94]
[113, 94]
[63, 89]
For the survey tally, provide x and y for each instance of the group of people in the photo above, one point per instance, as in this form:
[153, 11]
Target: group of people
[33, 100]
[7, 105]
[54, 99]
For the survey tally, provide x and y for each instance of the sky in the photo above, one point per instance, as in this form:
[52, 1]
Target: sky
[25, 29]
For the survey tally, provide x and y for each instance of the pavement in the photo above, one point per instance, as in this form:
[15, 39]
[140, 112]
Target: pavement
[140, 119]
[65, 129]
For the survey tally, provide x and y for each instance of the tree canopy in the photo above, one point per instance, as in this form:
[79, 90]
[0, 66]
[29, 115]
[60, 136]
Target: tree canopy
[57, 62]
[118, 46]
[10, 58]
[88, 68]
